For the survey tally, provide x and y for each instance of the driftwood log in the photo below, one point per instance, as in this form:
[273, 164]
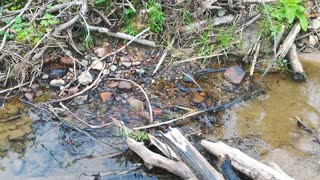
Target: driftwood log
[189, 154]
[153, 159]
[295, 64]
[243, 163]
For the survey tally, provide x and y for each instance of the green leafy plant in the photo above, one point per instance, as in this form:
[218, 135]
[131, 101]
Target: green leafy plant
[48, 20]
[224, 37]
[290, 10]
[127, 16]
[137, 135]
[156, 17]
[88, 40]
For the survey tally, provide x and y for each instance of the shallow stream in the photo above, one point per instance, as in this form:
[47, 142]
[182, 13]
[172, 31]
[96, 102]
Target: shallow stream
[33, 146]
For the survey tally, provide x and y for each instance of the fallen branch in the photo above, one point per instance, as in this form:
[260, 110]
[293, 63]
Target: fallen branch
[284, 48]
[242, 162]
[295, 64]
[190, 155]
[122, 36]
[152, 159]
[202, 24]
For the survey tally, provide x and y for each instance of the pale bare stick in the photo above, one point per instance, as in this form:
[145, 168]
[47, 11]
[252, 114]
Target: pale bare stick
[123, 36]
[169, 122]
[123, 47]
[254, 60]
[4, 40]
[96, 81]
[84, 122]
[15, 87]
[165, 53]
[19, 15]
[143, 91]
[197, 58]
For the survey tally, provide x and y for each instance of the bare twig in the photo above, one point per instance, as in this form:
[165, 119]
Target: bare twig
[200, 57]
[192, 79]
[170, 121]
[4, 40]
[123, 36]
[84, 122]
[254, 60]
[165, 53]
[143, 91]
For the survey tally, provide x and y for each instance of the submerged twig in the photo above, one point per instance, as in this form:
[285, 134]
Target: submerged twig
[143, 91]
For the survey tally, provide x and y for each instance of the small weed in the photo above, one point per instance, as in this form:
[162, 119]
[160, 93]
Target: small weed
[224, 37]
[142, 136]
[48, 20]
[156, 17]
[88, 40]
[284, 65]
[289, 10]
[205, 45]
[187, 17]
[139, 136]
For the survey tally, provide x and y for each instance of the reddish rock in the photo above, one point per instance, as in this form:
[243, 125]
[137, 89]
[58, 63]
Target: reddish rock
[66, 60]
[124, 85]
[105, 96]
[113, 84]
[156, 111]
[102, 51]
[234, 74]
[197, 97]
[34, 86]
[29, 96]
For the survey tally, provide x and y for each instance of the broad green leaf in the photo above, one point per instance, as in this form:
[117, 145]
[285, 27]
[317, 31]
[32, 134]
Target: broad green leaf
[18, 20]
[44, 23]
[303, 21]
[290, 14]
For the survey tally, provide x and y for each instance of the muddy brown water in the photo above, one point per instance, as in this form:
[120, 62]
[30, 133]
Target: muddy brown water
[33, 146]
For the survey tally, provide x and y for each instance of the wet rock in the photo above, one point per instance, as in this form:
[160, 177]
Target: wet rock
[126, 64]
[186, 78]
[97, 65]
[57, 82]
[29, 96]
[124, 85]
[136, 105]
[105, 96]
[156, 111]
[234, 74]
[313, 40]
[113, 84]
[315, 24]
[58, 73]
[85, 78]
[113, 68]
[197, 98]
[66, 60]
[145, 114]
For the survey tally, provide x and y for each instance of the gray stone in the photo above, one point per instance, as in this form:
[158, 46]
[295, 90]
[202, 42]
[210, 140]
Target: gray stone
[85, 78]
[124, 85]
[84, 62]
[234, 74]
[113, 68]
[45, 76]
[57, 82]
